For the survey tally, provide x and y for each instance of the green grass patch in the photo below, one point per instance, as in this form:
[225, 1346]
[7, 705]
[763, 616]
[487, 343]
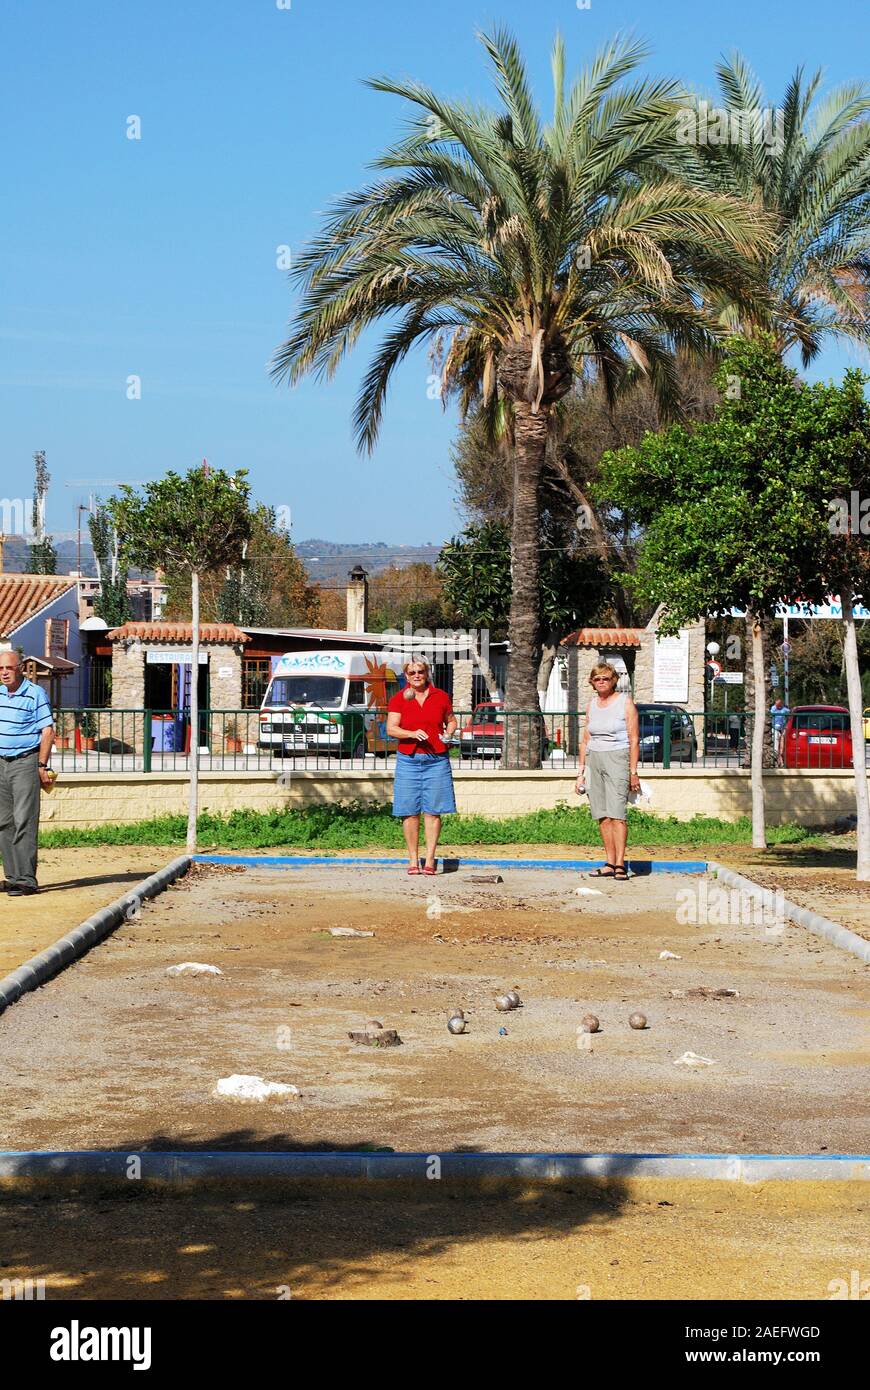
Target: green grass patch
[361, 825]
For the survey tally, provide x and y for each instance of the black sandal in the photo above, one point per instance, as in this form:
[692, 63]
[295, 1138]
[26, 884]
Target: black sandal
[620, 872]
[599, 873]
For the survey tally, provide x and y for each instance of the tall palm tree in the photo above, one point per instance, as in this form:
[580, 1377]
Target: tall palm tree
[526, 255]
[806, 163]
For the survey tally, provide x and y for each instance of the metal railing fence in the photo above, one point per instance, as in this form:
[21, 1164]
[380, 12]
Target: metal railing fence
[310, 739]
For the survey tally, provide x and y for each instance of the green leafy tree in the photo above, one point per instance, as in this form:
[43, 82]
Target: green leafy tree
[477, 585]
[847, 572]
[525, 255]
[736, 513]
[111, 603]
[806, 163]
[194, 524]
[43, 556]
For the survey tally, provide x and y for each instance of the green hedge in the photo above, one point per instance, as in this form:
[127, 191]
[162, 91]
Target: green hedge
[359, 825]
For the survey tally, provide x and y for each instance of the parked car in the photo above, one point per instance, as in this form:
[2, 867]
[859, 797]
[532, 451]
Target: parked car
[483, 737]
[817, 736]
[651, 720]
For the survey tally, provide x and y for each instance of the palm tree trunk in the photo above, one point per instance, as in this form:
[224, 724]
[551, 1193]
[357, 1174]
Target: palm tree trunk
[853, 686]
[522, 743]
[193, 799]
[759, 836]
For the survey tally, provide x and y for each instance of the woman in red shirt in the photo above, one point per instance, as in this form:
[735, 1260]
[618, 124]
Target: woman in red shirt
[421, 717]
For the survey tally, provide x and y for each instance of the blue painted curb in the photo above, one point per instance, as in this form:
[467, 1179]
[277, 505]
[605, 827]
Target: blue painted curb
[193, 1167]
[640, 867]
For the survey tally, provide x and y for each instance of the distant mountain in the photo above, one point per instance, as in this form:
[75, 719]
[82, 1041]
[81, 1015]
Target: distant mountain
[16, 556]
[326, 561]
[331, 560]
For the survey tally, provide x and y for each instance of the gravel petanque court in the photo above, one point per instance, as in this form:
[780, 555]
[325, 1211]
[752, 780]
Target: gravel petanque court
[116, 1054]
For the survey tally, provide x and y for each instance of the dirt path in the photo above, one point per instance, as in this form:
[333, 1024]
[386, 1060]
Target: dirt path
[73, 884]
[114, 1054]
[777, 1241]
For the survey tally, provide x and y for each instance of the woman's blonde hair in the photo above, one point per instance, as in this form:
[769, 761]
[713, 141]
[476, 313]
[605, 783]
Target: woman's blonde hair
[603, 668]
[415, 661]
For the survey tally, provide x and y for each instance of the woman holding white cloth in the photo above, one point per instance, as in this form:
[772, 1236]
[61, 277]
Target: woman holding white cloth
[609, 752]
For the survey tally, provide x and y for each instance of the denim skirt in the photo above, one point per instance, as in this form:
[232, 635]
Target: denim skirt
[423, 784]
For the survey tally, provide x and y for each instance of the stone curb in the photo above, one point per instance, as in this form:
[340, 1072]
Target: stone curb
[813, 921]
[76, 943]
[364, 1167]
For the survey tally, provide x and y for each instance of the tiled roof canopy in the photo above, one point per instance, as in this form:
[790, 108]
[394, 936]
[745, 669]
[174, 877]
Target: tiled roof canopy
[604, 637]
[22, 596]
[177, 632]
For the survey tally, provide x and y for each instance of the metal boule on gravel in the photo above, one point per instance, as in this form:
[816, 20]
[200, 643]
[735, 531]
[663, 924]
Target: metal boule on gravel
[638, 1021]
[503, 1003]
[589, 1024]
[456, 1024]
[514, 997]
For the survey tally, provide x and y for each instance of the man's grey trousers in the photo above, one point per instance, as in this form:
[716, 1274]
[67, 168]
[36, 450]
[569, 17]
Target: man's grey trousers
[19, 819]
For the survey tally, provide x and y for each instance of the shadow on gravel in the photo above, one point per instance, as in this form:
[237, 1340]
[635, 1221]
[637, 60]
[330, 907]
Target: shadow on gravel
[271, 1240]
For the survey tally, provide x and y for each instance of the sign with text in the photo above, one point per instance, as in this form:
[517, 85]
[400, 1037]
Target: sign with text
[180, 657]
[671, 669]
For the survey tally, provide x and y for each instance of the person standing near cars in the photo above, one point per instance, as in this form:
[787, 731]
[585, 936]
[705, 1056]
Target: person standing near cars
[421, 717]
[26, 739]
[779, 713]
[609, 752]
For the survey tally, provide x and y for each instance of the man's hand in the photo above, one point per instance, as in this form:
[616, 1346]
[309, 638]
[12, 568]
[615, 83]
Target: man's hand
[47, 778]
[421, 736]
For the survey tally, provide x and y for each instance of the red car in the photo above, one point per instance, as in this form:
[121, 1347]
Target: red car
[484, 736]
[817, 736]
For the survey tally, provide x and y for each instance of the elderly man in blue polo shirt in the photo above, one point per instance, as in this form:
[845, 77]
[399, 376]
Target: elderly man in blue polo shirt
[26, 738]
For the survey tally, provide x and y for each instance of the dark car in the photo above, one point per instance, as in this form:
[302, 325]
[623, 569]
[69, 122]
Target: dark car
[654, 721]
[817, 736]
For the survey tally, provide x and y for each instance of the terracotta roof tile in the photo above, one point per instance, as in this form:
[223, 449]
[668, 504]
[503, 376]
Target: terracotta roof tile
[23, 595]
[604, 637]
[178, 632]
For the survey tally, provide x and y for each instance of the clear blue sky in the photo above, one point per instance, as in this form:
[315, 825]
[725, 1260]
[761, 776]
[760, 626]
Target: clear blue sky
[157, 257]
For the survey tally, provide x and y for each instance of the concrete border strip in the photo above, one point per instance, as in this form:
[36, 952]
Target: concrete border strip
[181, 1168]
[76, 943]
[813, 921]
[641, 867]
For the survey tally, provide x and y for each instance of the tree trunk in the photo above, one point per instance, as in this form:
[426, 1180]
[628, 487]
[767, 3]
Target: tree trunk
[522, 742]
[193, 801]
[768, 757]
[479, 660]
[853, 685]
[759, 836]
[549, 650]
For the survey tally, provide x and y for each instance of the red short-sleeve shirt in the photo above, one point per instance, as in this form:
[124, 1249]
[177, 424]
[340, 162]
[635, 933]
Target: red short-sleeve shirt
[432, 715]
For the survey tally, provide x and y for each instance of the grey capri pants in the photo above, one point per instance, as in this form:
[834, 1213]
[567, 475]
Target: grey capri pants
[607, 783]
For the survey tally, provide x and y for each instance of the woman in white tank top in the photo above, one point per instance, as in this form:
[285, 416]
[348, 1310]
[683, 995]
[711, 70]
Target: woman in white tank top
[609, 750]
